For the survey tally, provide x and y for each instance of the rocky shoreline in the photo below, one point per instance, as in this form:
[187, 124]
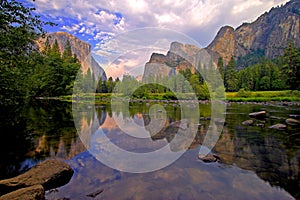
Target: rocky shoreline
[32, 184]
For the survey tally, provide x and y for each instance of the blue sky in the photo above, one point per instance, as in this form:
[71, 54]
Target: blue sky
[97, 21]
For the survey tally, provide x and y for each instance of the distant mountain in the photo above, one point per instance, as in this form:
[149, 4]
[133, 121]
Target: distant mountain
[268, 35]
[80, 48]
[179, 57]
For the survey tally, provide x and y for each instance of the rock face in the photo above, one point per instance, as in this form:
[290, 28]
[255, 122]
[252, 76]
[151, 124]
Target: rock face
[179, 57]
[50, 174]
[80, 48]
[271, 32]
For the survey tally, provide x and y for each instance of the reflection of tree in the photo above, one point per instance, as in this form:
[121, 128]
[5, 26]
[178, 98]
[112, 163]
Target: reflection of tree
[15, 141]
[36, 131]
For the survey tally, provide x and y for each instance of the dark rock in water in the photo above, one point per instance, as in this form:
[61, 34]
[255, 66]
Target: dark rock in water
[292, 122]
[261, 114]
[279, 126]
[94, 194]
[209, 157]
[260, 125]
[33, 192]
[248, 122]
[50, 174]
[219, 121]
[295, 116]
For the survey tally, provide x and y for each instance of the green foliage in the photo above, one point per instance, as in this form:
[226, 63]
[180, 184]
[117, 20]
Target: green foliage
[291, 66]
[230, 78]
[243, 93]
[53, 74]
[19, 28]
[221, 67]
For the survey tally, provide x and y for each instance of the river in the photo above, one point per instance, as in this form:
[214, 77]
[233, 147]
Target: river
[256, 162]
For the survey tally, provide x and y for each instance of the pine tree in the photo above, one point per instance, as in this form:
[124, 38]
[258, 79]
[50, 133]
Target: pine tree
[55, 52]
[67, 54]
[221, 67]
[291, 66]
[231, 76]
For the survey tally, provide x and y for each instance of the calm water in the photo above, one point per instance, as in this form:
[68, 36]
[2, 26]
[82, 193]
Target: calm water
[256, 163]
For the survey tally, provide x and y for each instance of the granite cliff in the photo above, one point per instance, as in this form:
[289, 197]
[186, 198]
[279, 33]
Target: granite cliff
[179, 57]
[80, 48]
[270, 33]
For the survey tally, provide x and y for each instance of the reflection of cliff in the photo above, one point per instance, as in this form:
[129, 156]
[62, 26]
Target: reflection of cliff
[267, 156]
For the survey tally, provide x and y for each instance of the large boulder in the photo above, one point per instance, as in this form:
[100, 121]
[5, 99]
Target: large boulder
[33, 192]
[50, 174]
[261, 114]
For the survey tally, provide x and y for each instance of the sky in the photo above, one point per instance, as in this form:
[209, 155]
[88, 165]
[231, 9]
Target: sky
[98, 21]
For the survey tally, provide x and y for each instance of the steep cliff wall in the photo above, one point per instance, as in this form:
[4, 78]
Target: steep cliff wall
[80, 48]
[270, 33]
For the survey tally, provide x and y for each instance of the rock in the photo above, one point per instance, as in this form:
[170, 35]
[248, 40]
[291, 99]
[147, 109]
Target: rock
[248, 122]
[279, 126]
[219, 121]
[292, 122]
[94, 194]
[261, 114]
[33, 192]
[209, 157]
[295, 116]
[50, 174]
[260, 125]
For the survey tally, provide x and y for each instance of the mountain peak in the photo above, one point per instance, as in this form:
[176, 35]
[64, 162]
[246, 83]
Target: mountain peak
[270, 33]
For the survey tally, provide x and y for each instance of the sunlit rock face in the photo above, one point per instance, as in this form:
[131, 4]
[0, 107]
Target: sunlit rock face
[81, 49]
[270, 33]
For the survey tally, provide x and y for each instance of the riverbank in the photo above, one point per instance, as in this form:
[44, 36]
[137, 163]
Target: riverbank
[285, 97]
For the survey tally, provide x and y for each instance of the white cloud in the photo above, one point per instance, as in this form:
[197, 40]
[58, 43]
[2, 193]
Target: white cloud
[188, 16]
[199, 19]
[73, 28]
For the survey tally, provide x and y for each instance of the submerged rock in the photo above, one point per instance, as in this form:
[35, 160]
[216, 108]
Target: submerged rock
[278, 127]
[295, 116]
[292, 122]
[261, 114]
[248, 122]
[50, 174]
[209, 157]
[33, 192]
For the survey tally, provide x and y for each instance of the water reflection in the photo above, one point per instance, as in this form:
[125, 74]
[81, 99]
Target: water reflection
[256, 163]
[272, 155]
[34, 132]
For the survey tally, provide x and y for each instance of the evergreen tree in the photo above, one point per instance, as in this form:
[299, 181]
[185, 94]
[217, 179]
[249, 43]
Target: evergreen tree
[230, 81]
[291, 66]
[67, 54]
[221, 67]
[54, 51]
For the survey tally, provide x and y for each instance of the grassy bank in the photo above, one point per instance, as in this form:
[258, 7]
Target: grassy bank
[241, 96]
[262, 96]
